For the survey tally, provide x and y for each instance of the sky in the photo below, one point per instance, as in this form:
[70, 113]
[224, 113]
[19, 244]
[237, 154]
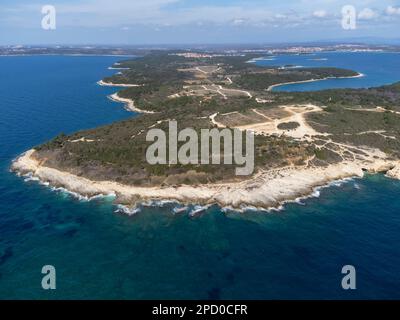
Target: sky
[146, 22]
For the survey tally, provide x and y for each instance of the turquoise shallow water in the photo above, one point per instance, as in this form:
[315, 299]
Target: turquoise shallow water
[295, 253]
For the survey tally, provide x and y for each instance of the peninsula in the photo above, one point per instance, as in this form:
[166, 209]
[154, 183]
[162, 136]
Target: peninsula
[303, 140]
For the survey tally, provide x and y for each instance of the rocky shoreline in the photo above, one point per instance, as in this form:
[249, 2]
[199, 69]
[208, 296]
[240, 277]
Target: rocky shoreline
[129, 103]
[269, 189]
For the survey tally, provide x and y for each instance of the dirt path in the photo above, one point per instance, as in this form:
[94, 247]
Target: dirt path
[297, 114]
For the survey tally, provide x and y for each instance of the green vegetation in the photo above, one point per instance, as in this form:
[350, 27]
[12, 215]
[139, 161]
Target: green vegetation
[288, 125]
[175, 88]
[261, 80]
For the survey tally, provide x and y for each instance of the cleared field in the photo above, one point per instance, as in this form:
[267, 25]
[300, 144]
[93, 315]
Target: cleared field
[275, 121]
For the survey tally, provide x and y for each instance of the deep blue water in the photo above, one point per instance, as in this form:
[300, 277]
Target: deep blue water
[295, 253]
[379, 68]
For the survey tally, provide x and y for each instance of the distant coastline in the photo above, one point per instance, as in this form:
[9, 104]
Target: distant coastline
[270, 88]
[67, 55]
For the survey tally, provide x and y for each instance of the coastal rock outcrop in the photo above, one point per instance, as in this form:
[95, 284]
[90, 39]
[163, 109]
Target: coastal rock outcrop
[394, 172]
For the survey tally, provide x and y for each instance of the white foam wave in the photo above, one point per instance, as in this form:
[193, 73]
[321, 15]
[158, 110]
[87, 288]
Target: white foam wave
[127, 210]
[30, 177]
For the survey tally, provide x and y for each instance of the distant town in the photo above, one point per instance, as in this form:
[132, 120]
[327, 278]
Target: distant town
[198, 51]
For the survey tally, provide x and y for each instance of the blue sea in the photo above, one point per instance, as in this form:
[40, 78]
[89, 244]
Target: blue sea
[296, 253]
[378, 68]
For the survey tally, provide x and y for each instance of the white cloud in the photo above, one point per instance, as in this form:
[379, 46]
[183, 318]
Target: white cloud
[158, 13]
[280, 16]
[393, 10]
[128, 13]
[320, 13]
[367, 14]
[238, 22]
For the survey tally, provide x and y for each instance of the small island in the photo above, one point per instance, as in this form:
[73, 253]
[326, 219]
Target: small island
[303, 140]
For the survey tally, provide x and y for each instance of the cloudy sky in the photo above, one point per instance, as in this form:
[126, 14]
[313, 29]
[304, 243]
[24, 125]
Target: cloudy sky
[195, 21]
